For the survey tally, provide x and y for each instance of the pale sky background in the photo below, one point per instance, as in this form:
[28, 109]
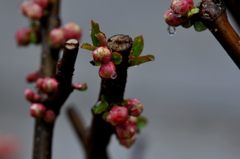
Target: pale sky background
[190, 92]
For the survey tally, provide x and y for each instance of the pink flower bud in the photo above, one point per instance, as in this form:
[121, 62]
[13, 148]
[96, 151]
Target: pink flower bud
[117, 115]
[102, 55]
[126, 130]
[172, 18]
[134, 106]
[32, 77]
[108, 71]
[128, 142]
[56, 37]
[47, 85]
[181, 6]
[42, 3]
[23, 36]
[80, 86]
[31, 10]
[49, 116]
[31, 96]
[37, 110]
[72, 31]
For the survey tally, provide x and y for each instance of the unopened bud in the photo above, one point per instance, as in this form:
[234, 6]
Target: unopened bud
[56, 37]
[23, 36]
[49, 116]
[42, 3]
[37, 110]
[47, 85]
[72, 31]
[102, 55]
[134, 106]
[31, 96]
[127, 142]
[108, 71]
[117, 115]
[172, 18]
[126, 130]
[31, 10]
[33, 77]
[181, 6]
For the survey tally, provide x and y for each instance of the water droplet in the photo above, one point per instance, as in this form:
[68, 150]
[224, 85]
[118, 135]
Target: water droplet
[171, 30]
[114, 76]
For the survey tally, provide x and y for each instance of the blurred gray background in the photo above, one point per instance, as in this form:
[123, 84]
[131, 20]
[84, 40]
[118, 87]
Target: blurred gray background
[190, 92]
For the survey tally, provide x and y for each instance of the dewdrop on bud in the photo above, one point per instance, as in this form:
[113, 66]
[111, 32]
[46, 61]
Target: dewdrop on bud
[42, 3]
[56, 37]
[117, 115]
[128, 142]
[172, 18]
[32, 10]
[47, 85]
[23, 36]
[49, 116]
[134, 106]
[108, 71]
[31, 96]
[37, 110]
[181, 6]
[102, 55]
[72, 31]
[80, 86]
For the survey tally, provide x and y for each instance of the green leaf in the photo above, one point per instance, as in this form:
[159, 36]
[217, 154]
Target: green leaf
[88, 46]
[95, 29]
[94, 63]
[137, 47]
[33, 37]
[133, 61]
[141, 122]
[199, 26]
[116, 58]
[193, 11]
[100, 107]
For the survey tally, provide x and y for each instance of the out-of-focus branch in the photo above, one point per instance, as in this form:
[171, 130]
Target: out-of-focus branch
[233, 7]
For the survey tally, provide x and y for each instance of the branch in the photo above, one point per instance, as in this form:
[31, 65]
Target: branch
[113, 91]
[213, 14]
[44, 130]
[234, 8]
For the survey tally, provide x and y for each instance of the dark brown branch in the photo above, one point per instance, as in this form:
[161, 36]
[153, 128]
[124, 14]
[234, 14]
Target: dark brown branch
[213, 14]
[234, 8]
[43, 130]
[113, 91]
[78, 124]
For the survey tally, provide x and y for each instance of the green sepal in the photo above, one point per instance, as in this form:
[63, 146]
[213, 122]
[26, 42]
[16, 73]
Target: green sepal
[116, 58]
[88, 46]
[95, 29]
[199, 26]
[95, 63]
[141, 122]
[137, 47]
[101, 106]
[193, 11]
[133, 61]
[33, 37]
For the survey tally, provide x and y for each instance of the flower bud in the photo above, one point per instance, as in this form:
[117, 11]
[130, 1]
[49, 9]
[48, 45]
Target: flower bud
[56, 37]
[108, 71]
[102, 55]
[23, 36]
[42, 3]
[49, 116]
[128, 142]
[172, 18]
[31, 96]
[134, 106]
[117, 115]
[31, 10]
[37, 110]
[32, 77]
[182, 6]
[126, 130]
[47, 85]
[80, 86]
[72, 31]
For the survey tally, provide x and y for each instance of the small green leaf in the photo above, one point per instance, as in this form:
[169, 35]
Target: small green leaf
[100, 107]
[199, 26]
[133, 61]
[137, 47]
[95, 29]
[88, 46]
[33, 37]
[141, 122]
[116, 58]
[94, 63]
[193, 11]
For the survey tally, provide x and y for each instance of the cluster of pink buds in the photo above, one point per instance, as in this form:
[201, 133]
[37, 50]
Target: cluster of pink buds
[47, 85]
[177, 13]
[38, 110]
[103, 55]
[58, 36]
[124, 119]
